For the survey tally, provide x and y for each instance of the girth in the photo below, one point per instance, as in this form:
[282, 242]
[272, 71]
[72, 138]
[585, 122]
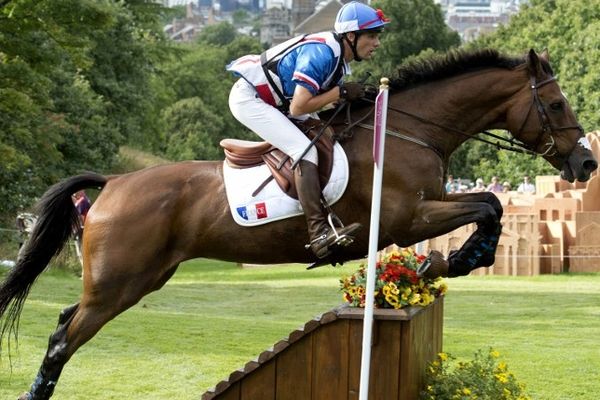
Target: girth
[247, 154]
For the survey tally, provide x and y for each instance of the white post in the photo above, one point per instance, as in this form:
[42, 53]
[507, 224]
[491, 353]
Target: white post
[378, 152]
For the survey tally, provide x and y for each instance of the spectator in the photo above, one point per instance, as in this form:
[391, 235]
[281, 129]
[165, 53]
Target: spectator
[450, 185]
[495, 186]
[479, 186]
[82, 204]
[526, 186]
[505, 187]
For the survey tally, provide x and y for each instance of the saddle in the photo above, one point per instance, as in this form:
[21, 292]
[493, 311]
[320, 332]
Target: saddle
[248, 154]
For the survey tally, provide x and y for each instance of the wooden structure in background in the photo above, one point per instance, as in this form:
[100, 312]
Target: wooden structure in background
[555, 230]
[321, 360]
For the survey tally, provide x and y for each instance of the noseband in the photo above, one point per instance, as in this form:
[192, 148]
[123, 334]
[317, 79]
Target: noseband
[546, 127]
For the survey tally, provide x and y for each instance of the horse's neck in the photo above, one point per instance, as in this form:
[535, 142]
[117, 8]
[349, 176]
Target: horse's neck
[469, 103]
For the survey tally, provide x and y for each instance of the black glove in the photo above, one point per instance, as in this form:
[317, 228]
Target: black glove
[352, 91]
[371, 92]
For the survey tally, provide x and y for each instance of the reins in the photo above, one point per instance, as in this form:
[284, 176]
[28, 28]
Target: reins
[512, 144]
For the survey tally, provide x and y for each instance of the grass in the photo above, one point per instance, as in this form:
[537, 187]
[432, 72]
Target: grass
[213, 317]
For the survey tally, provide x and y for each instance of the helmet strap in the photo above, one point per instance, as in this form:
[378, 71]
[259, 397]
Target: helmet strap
[353, 45]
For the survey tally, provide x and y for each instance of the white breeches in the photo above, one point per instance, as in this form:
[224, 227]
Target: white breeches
[268, 122]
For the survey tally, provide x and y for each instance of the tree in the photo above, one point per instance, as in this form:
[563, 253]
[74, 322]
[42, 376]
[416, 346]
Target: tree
[198, 78]
[77, 78]
[416, 25]
[570, 30]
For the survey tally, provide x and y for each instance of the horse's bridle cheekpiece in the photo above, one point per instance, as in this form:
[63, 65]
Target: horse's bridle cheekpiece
[545, 123]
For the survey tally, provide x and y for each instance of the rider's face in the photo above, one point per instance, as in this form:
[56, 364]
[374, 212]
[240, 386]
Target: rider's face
[367, 44]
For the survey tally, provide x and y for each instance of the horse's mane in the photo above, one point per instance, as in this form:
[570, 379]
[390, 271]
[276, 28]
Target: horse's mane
[452, 63]
[445, 65]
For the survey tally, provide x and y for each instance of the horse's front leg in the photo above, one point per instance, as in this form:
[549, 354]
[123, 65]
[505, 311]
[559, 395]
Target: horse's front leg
[435, 218]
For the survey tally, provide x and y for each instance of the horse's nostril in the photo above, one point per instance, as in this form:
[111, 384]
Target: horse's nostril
[590, 165]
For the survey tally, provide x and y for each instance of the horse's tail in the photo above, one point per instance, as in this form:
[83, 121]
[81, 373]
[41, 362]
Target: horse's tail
[57, 216]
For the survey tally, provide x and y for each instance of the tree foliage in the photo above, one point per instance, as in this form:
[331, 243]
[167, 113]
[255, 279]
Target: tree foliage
[72, 79]
[199, 116]
[569, 29]
[416, 25]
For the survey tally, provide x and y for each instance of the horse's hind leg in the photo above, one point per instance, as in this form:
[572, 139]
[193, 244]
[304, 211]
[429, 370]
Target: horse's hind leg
[101, 302]
[54, 361]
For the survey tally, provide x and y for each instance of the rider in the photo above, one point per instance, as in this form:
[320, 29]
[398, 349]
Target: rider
[297, 78]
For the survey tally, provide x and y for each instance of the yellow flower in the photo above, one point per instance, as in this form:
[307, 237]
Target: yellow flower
[393, 288]
[443, 356]
[502, 366]
[466, 391]
[393, 300]
[501, 378]
[494, 354]
[414, 299]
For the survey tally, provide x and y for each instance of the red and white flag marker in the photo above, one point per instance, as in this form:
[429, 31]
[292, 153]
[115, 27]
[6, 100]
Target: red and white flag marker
[381, 103]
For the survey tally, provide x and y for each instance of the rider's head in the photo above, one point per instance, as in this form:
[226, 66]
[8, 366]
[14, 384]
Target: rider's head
[357, 20]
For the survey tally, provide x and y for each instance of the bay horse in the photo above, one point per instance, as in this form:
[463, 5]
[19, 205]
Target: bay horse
[145, 223]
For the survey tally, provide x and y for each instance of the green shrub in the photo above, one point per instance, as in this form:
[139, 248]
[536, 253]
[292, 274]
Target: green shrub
[484, 377]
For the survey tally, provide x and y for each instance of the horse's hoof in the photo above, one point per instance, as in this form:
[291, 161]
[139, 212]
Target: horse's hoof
[25, 396]
[434, 266]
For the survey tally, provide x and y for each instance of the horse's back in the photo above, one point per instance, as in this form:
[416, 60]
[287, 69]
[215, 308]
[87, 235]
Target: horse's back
[144, 210]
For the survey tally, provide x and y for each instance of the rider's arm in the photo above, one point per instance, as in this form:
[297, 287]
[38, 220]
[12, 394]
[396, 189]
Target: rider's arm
[304, 102]
[313, 64]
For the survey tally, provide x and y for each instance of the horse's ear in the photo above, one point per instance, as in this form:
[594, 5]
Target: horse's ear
[534, 65]
[545, 55]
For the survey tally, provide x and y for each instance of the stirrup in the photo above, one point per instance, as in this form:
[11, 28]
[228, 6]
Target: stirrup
[340, 240]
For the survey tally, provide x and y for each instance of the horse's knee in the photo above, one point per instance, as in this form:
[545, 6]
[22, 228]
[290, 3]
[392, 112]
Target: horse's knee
[494, 202]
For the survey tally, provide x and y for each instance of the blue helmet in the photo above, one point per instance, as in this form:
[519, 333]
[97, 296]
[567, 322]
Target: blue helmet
[357, 17]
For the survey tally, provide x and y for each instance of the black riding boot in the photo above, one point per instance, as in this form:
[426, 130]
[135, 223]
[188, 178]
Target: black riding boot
[322, 235]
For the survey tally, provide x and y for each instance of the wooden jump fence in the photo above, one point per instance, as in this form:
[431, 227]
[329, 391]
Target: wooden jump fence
[321, 360]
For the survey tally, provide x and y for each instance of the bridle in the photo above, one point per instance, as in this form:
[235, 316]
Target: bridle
[545, 123]
[546, 128]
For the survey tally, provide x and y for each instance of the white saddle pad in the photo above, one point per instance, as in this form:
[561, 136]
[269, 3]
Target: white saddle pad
[271, 203]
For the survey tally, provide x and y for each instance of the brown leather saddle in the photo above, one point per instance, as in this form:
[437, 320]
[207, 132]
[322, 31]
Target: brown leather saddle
[247, 154]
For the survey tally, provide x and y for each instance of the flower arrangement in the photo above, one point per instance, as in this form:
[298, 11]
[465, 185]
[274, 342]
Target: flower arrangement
[397, 284]
[484, 378]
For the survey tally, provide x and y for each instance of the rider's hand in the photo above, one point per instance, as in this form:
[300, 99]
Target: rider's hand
[371, 92]
[352, 91]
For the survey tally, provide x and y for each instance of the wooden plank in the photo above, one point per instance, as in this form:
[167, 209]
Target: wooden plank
[330, 368]
[418, 345]
[403, 314]
[407, 367]
[385, 353]
[231, 393]
[260, 384]
[439, 325]
[293, 371]
[355, 334]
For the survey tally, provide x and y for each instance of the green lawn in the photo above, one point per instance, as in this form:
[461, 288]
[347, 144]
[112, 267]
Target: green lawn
[213, 317]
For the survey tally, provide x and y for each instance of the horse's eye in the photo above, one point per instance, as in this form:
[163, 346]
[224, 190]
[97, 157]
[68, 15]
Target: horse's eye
[556, 106]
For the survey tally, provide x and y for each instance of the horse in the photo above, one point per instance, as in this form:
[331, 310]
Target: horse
[145, 223]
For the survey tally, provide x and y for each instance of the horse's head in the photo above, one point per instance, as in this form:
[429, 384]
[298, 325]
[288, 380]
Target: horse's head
[542, 119]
